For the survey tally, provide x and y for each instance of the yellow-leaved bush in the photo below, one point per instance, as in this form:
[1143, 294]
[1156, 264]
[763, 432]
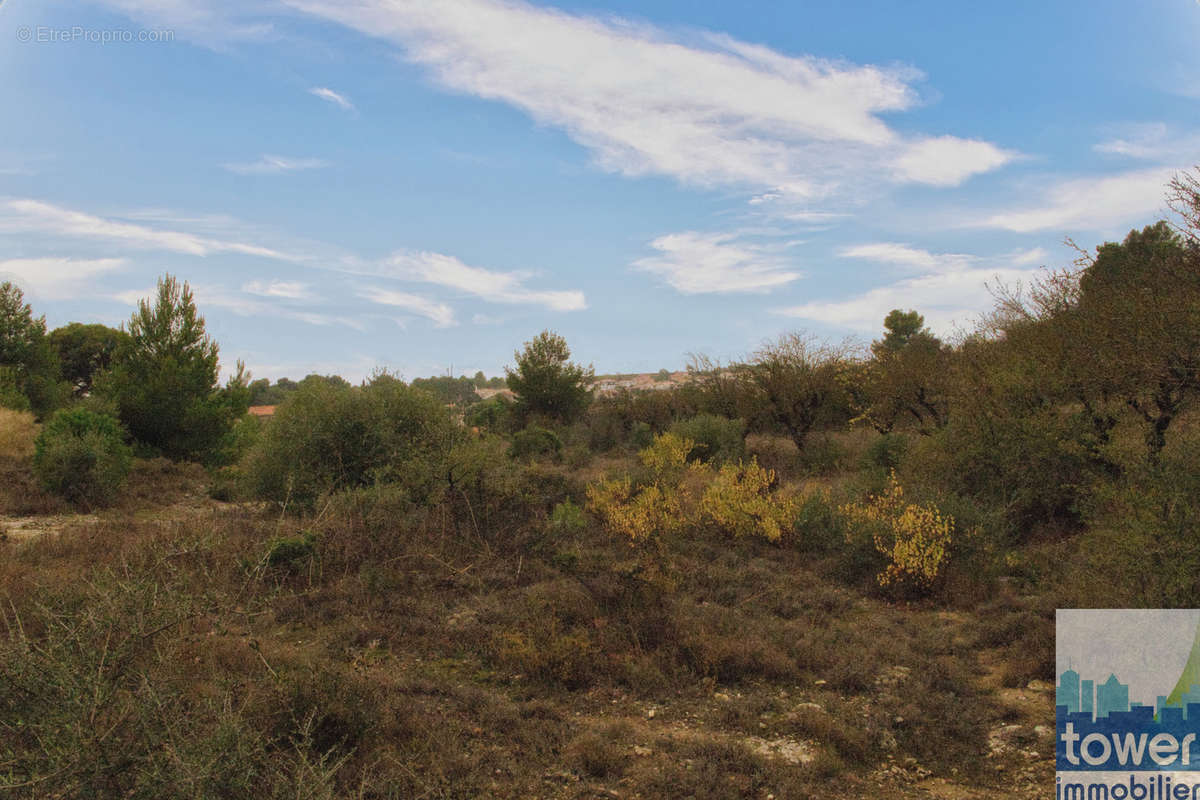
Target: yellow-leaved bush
[741, 501]
[915, 538]
[639, 513]
[739, 498]
[635, 515]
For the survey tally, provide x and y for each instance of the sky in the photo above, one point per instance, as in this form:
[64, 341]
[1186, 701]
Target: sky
[424, 185]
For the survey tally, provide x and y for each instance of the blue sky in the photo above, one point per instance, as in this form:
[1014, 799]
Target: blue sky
[425, 184]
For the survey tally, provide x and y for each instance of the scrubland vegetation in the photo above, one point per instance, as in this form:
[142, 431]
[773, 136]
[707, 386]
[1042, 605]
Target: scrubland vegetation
[826, 571]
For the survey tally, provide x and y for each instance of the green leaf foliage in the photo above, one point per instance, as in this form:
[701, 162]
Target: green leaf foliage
[82, 457]
[164, 379]
[547, 383]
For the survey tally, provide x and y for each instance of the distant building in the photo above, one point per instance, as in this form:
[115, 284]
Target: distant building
[261, 411]
[1067, 693]
[488, 394]
[1112, 695]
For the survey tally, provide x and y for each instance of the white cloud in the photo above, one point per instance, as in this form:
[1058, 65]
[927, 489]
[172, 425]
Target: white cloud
[330, 96]
[948, 160]
[495, 287]
[274, 165]
[1034, 255]
[911, 258]
[57, 278]
[710, 111]
[952, 288]
[944, 298]
[211, 296]
[1153, 141]
[26, 215]
[440, 313]
[289, 290]
[698, 263]
[1090, 204]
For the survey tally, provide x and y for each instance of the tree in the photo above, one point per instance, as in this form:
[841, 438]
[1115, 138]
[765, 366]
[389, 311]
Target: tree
[164, 378]
[1141, 302]
[802, 383]
[29, 371]
[85, 350]
[547, 383]
[902, 327]
[906, 376]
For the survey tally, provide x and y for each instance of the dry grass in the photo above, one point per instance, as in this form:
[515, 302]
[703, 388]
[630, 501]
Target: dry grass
[17, 432]
[20, 493]
[401, 657]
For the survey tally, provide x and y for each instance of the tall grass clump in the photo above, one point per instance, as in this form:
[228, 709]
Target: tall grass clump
[17, 432]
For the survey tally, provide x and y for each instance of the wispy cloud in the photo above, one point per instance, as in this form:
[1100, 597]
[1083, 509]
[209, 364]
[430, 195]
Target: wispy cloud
[952, 289]
[288, 290]
[441, 314]
[1153, 141]
[274, 165]
[700, 263]
[57, 278]
[25, 215]
[709, 110]
[330, 96]
[946, 299]
[240, 303]
[1090, 204]
[908, 258]
[489, 285]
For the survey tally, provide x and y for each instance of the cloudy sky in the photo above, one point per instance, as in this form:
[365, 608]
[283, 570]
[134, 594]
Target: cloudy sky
[426, 184]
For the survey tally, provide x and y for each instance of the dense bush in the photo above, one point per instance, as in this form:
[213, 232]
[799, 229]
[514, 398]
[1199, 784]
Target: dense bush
[533, 442]
[887, 451]
[82, 457]
[741, 501]
[1034, 466]
[718, 440]
[1141, 547]
[494, 415]
[916, 539]
[327, 437]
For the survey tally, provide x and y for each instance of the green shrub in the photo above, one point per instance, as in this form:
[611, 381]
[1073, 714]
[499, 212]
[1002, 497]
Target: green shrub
[11, 396]
[823, 454]
[82, 457]
[1034, 467]
[567, 518]
[717, 440]
[494, 415]
[1140, 548]
[887, 451]
[533, 442]
[642, 435]
[328, 437]
[291, 553]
